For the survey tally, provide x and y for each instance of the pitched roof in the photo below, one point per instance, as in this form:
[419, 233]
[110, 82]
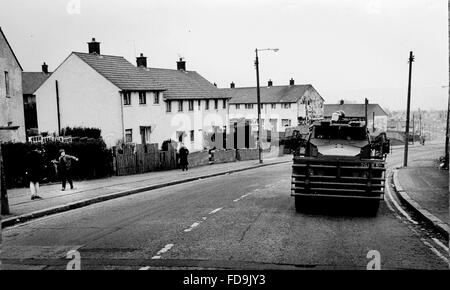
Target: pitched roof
[176, 84]
[120, 72]
[273, 94]
[354, 110]
[184, 84]
[10, 48]
[31, 81]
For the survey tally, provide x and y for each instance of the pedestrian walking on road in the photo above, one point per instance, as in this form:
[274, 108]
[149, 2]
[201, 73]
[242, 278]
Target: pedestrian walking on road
[65, 168]
[184, 152]
[35, 168]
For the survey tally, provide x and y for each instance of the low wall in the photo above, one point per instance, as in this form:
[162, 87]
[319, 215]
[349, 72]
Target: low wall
[220, 156]
[198, 158]
[247, 154]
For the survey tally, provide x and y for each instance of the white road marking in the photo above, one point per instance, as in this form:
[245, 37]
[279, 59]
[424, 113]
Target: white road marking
[440, 244]
[145, 268]
[397, 206]
[162, 251]
[435, 251]
[204, 218]
[216, 210]
[196, 224]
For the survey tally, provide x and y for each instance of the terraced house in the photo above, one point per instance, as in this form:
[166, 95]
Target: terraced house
[281, 106]
[130, 103]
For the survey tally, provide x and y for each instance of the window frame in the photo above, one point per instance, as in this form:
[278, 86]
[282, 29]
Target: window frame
[127, 98]
[180, 105]
[238, 106]
[156, 98]
[216, 104]
[7, 88]
[273, 106]
[128, 132]
[224, 103]
[168, 106]
[206, 104]
[142, 98]
[192, 135]
[191, 105]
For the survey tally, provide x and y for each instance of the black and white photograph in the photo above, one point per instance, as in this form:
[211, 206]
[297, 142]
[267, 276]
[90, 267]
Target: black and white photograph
[238, 135]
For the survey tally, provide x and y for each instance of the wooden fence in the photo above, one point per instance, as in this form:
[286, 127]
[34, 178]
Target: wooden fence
[141, 158]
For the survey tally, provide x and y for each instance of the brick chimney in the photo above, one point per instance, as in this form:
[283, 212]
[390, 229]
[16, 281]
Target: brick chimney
[94, 46]
[45, 68]
[232, 86]
[269, 83]
[181, 64]
[141, 61]
[291, 82]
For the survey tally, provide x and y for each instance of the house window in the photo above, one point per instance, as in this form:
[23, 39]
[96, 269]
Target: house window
[7, 84]
[127, 98]
[191, 105]
[129, 135]
[192, 135]
[238, 106]
[286, 105]
[206, 104]
[168, 106]
[142, 98]
[216, 104]
[156, 100]
[199, 103]
[180, 106]
[249, 106]
[224, 104]
[262, 106]
[273, 106]
[285, 122]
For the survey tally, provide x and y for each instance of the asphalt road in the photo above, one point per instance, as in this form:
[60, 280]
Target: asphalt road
[245, 220]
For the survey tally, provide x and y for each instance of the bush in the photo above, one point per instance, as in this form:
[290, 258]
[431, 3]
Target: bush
[95, 160]
[82, 132]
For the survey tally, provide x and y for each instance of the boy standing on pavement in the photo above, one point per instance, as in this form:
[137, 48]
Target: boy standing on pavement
[65, 168]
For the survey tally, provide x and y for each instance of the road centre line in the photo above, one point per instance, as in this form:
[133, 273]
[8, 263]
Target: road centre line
[216, 210]
[196, 224]
[162, 251]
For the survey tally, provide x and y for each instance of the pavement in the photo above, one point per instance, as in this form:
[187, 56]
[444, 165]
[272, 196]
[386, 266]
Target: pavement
[424, 187]
[22, 208]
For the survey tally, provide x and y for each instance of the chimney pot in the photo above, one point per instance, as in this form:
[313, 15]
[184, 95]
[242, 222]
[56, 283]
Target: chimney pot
[232, 85]
[45, 68]
[181, 64]
[94, 46]
[291, 82]
[269, 83]
[141, 61]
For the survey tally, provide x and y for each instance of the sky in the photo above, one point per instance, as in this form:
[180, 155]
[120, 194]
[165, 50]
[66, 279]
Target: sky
[347, 49]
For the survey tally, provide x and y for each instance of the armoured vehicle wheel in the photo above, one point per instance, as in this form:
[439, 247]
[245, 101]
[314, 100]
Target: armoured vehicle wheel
[301, 204]
[373, 207]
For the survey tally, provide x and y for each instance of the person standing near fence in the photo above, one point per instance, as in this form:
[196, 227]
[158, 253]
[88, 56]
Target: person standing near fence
[184, 152]
[65, 168]
[35, 168]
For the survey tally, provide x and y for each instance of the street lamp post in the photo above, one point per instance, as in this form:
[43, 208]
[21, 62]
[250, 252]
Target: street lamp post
[258, 100]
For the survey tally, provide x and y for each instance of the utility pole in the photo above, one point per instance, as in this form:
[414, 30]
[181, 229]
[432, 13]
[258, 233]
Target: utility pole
[413, 130]
[373, 121]
[3, 194]
[366, 103]
[446, 160]
[258, 100]
[405, 157]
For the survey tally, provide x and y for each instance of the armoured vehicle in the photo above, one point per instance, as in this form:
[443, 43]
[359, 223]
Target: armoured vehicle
[340, 160]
